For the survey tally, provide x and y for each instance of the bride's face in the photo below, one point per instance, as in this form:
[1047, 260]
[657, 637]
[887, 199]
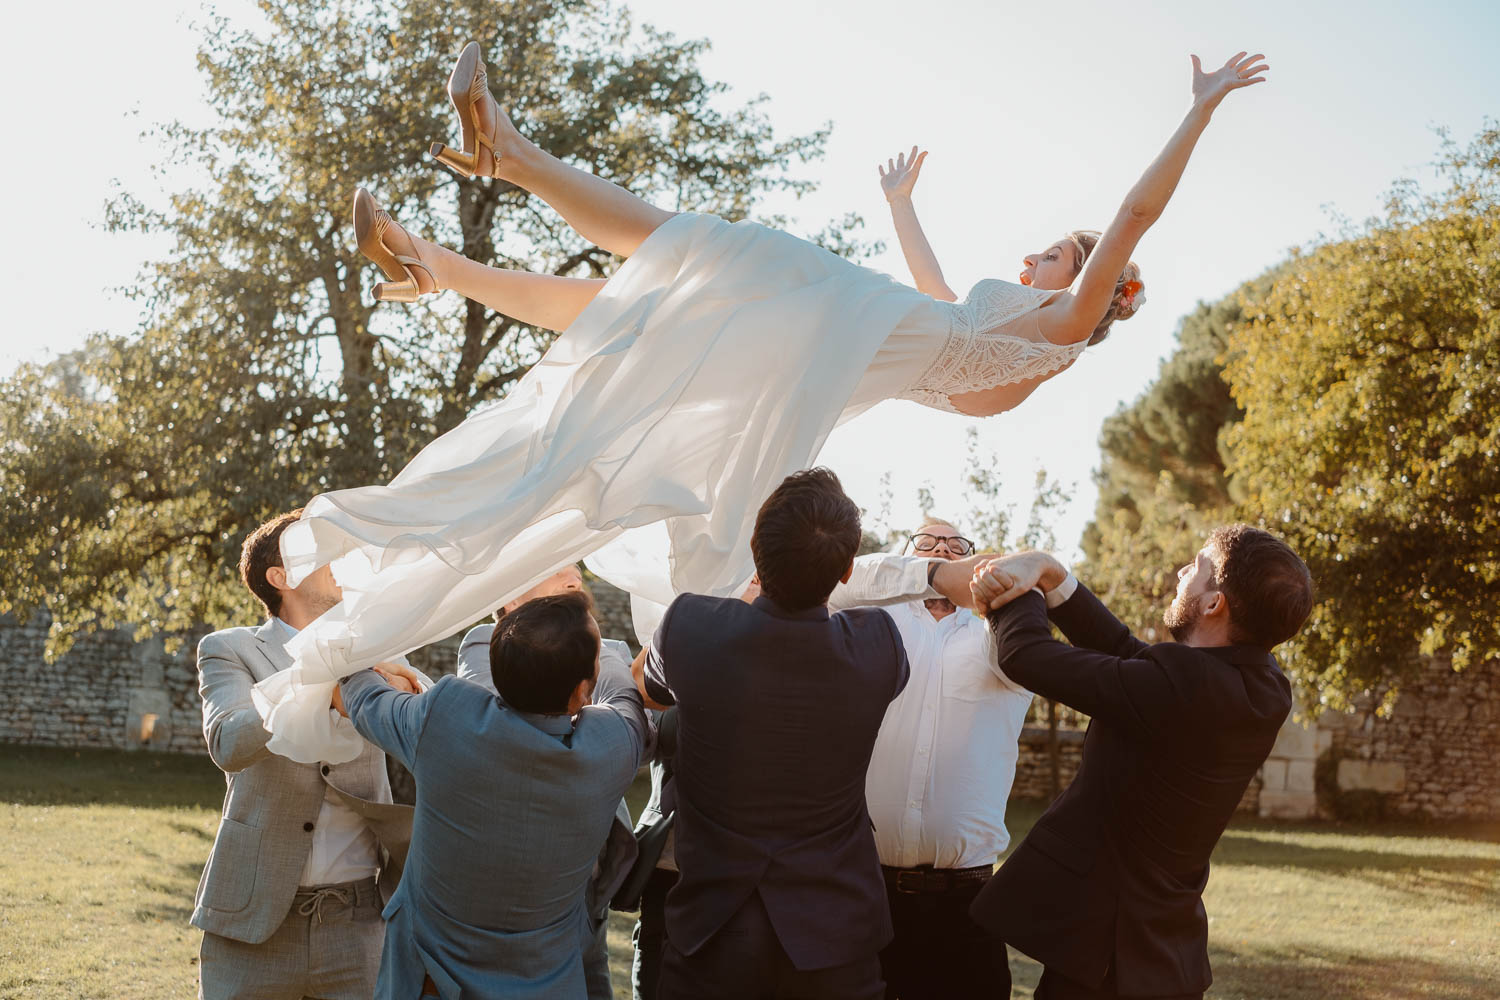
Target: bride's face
[1055, 267]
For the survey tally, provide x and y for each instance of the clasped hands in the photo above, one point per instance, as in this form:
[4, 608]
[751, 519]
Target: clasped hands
[998, 580]
[398, 676]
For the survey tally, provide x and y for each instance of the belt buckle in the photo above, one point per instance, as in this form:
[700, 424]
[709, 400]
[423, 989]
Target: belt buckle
[918, 876]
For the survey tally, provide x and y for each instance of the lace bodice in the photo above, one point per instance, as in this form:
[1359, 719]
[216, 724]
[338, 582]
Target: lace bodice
[984, 348]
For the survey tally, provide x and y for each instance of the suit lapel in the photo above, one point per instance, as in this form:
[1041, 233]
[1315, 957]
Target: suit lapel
[272, 646]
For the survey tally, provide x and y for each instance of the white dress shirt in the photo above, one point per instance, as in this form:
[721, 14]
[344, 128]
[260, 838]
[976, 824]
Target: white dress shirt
[945, 757]
[344, 847]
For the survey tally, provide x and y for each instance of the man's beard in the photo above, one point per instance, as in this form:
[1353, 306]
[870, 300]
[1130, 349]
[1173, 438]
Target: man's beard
[939, 605]
[1182, 617]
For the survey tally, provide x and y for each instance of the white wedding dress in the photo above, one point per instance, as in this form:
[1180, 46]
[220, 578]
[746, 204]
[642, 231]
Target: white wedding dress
[711, 365]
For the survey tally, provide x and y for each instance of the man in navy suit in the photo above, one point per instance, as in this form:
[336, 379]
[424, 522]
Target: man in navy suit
[780, 892]
[1107, 889]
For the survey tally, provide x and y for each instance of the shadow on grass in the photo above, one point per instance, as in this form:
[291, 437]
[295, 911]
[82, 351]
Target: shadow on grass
[54, 776]
[1308, 972]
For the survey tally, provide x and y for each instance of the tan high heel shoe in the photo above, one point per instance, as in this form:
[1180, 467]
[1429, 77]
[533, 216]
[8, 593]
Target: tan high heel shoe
[371, 223]
[478, 119]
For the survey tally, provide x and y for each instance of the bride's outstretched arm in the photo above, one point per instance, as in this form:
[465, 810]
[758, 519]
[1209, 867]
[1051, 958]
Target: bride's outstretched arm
[1077, 315]
[897, 178]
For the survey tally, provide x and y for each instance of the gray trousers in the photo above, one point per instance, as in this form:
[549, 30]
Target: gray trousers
[328, 947]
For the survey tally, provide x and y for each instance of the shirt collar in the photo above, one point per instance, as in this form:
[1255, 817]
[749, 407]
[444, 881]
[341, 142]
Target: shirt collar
[817, 613]
[287, 630]
[552, 725]
[1242, 655]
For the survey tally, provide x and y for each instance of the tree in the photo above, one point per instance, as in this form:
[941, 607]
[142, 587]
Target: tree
[262, 373]
[1162, 478]
[1344, 400]
[1370, 379]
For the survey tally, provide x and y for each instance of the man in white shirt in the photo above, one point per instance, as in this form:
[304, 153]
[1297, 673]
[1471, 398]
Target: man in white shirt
[937, 786]
[305, 854]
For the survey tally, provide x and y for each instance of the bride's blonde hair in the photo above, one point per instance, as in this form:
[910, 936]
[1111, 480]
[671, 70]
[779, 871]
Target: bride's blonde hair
[1129, 289]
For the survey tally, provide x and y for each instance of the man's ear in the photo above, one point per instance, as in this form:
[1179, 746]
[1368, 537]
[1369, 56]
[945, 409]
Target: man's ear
[276, 577]
[847, 573]
[1217, 605]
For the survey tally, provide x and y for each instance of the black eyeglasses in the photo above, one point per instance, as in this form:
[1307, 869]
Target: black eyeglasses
[957, 544]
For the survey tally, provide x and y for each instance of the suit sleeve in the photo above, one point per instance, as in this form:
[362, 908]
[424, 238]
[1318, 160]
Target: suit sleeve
[616, 690]
[1086, 622]
[474, 658]
[232, 728]
[1137, 692]
[392, 720]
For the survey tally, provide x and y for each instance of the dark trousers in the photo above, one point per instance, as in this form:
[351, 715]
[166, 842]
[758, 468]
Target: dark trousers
[745, 961]
[1054, 986]
[650, 935]
[939, 952]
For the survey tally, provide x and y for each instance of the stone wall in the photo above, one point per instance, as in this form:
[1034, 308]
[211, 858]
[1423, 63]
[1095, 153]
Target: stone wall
[1436, 757]
[109, 691]
[1034, 764]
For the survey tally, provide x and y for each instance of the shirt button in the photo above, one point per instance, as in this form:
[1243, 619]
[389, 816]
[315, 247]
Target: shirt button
[307, 826]
[325, 768]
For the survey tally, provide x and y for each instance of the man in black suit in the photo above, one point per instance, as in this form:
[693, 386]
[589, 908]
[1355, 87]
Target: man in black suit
[779, 702]
[1107, 889]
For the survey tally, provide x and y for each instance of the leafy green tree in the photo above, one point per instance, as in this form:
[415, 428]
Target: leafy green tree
[262, 373]
[1370, 380]
[1346, 401]
[1162, 479]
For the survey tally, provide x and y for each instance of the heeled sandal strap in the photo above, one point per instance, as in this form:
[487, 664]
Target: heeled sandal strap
[411, 262]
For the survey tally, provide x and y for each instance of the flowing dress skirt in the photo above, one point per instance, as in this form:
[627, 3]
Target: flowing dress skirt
[714, 363]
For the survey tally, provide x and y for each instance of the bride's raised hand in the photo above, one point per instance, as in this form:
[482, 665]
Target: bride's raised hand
[899, 176]
[1210, 88]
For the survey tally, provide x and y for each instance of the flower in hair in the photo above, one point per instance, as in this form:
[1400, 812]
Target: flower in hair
[1130, 294]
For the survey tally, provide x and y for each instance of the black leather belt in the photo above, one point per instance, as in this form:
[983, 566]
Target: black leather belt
[925, 878]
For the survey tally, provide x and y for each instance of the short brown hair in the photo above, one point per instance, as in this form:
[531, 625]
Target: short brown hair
[261, 551]
[1267, 585]
[806, 534]
[542, 651]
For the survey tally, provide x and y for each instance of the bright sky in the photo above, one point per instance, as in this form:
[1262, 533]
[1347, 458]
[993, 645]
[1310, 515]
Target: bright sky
[1039, 117]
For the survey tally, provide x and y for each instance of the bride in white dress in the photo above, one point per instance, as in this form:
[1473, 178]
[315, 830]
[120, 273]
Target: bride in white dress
[713, 363]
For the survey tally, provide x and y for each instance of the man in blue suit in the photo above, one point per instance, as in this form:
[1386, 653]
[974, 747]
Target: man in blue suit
[515, 797]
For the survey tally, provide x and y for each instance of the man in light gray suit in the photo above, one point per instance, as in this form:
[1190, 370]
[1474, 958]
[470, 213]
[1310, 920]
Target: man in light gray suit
[515, 797]
[619, 851]
[289, 901]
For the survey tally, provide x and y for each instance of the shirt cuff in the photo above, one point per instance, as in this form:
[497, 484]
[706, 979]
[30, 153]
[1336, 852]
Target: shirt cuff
[1060, 593]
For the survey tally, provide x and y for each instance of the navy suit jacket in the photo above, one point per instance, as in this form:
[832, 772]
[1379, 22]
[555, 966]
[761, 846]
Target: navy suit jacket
[1113, 872]
[777, 716]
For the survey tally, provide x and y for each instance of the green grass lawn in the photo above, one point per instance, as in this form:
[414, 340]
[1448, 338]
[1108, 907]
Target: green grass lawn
[102, 851]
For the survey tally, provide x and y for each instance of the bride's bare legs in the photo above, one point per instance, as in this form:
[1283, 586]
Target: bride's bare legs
[542, 300]
[602, 212]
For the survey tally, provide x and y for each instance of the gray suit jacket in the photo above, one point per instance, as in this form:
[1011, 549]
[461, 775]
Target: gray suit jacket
[272, 803]
[512, 810]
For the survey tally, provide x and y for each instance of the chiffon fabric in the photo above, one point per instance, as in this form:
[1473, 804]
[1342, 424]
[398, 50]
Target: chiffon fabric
[714, 363]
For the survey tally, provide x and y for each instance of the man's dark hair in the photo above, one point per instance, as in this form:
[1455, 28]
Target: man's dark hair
[261, 551]
[542, 650]
[806, 534]
[1267, 585]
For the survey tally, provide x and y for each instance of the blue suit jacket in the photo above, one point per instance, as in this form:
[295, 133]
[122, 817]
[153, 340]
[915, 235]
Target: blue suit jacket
[511, 812]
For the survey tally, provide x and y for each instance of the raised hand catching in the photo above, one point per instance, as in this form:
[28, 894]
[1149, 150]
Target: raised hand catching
[899, 176]
[1209, 88]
